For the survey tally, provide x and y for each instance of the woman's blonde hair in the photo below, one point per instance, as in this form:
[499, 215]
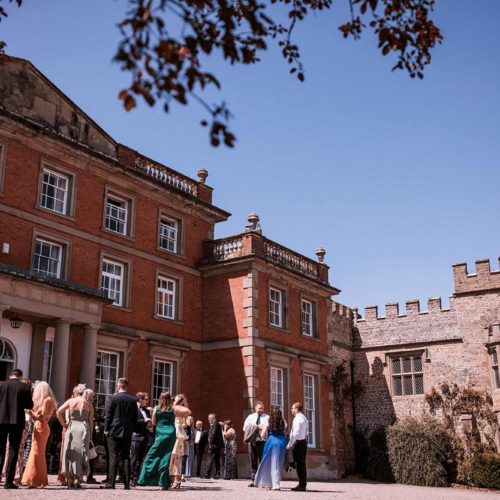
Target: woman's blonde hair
[41, 392]
[88, 395]
[181, 400]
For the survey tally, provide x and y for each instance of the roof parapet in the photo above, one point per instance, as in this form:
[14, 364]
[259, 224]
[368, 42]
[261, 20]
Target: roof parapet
[434, 306]
[484, 279]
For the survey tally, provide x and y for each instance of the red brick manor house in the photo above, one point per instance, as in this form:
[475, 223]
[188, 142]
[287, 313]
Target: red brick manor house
[109, 268]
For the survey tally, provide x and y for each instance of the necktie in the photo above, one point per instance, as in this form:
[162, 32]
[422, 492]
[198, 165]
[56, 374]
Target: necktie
[258, 420]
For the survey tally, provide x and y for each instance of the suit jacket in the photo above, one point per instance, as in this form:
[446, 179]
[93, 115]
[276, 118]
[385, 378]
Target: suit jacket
[141, 432]
[15, 397]
[203, 440]
[215, 438]
[121, 416]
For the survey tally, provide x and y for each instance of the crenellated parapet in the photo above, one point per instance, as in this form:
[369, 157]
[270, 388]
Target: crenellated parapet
[342, 310]
[484, 279]
[412, 309]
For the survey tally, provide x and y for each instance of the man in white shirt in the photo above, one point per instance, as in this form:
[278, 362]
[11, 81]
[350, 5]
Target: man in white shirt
[255, 448]
[200, 443]
[298, 444]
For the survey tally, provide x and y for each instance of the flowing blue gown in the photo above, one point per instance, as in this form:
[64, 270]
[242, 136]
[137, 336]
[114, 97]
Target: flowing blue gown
[273, 457]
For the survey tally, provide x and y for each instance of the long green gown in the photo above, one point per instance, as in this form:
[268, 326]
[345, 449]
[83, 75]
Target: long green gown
[155, 468]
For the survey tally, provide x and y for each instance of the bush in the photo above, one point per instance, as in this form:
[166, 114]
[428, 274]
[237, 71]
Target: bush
[418, 452]
[378, 466]
[484, 470]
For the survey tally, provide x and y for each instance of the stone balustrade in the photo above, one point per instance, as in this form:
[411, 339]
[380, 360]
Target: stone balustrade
[254, 244]
[170, 177]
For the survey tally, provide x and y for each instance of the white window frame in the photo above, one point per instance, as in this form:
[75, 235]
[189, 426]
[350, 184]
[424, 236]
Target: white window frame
[402, 375]
[165, 298]
[48, 356]
[110, 382]
[307, 317]
[310, 407]
[110, 276]
[109, 218]
[169, 233]
[276, 307]
[156, 389]
[278, 388]
[44, 197]
[59, 260]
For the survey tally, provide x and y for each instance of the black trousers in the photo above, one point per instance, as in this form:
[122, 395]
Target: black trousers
[213, 459]
[15, 434]
[198, 453]
[255, 452]
[137, 453]
[119, 449]
[299, 451]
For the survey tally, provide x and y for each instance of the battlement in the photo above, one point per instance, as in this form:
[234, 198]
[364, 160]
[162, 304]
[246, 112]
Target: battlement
[342, 310]
[412, 309]
[482, 280]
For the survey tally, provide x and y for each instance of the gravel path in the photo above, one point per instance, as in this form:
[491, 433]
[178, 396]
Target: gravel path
[202, 489]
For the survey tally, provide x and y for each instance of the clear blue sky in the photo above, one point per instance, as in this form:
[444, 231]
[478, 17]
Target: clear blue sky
[397, 179]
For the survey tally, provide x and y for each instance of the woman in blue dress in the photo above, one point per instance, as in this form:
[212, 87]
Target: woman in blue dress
[273, 457]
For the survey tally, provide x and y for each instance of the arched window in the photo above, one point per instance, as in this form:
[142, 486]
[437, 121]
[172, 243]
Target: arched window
[7, 358]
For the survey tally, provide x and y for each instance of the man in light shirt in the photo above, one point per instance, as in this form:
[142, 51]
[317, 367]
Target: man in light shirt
[298, 444]
[255, 448]
[200, 443]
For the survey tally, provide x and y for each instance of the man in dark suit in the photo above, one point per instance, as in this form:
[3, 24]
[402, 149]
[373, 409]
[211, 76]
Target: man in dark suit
[200, 440]
[215, 444]
[15, 397]
[143, 437]
[120, 423]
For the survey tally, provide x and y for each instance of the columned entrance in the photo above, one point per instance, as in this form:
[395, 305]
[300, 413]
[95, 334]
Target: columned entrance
[42, 304]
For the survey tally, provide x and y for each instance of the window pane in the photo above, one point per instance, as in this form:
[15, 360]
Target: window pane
[166, 298]
[310, 408]
[106, 377]
[162, 379]
[397, 387]
[407, 365]
[112, 279]
[419, 384]
[396, 365]
[168, 235]
[47, 259]
[116, 215]
[408, 385]
[417, 364]
[275, 307]
[54, 191]
[496, 374]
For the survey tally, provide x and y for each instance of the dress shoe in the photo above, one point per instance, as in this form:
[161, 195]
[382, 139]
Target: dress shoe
[299, 488]
[251, 485]
[127, 487]
[11, 486]
[107, 487]
[91, 480]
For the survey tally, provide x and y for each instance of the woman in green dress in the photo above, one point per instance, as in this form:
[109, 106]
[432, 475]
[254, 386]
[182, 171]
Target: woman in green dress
[155, 467]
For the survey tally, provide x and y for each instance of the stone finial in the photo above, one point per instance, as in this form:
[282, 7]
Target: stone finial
[253, 220]
[320, 253]
[202, 175]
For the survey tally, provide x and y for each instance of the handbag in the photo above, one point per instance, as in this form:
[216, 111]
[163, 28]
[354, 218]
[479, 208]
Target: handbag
[92, 452]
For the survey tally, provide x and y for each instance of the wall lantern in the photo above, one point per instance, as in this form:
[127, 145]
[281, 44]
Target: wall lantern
[16, 322]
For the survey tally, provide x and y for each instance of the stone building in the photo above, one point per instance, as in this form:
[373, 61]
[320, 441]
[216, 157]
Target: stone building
[401, 356]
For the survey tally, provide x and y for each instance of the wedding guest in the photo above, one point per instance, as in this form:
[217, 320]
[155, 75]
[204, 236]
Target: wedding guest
[89, 396]
[121, 421]
[44, 404]
[230, 451]
[76, 443]
[215, 444]
[54, 444]
[298, 445]
[188, 460]
[143, 437]
[180, 449]
[155, 469]
[200, 443]
[61, 478]
[273, 457]
[254, 436]
[15, 398]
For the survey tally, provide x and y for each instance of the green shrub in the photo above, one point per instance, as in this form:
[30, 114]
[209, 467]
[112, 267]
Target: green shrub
[378, 466]
[484, 470]
[418, 452]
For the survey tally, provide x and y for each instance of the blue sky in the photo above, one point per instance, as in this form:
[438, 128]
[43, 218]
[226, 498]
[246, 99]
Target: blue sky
[396, 178]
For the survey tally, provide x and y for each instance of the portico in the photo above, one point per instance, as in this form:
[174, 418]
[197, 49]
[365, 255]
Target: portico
[49, 310]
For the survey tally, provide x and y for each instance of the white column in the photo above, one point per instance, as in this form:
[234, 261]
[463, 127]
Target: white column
[89, 355]
[60, 360]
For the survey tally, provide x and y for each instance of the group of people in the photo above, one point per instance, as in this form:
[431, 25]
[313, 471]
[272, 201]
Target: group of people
[145, 446]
